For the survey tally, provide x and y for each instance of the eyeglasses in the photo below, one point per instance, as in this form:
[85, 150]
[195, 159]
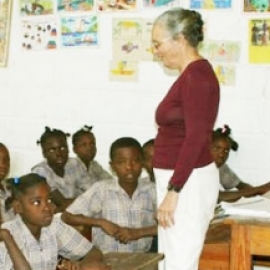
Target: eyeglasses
[157, 44]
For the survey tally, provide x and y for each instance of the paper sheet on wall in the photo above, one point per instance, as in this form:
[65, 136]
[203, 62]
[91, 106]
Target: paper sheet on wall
[256, 206]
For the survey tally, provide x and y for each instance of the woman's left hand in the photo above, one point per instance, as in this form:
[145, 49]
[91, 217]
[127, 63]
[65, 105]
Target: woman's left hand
[167, 208]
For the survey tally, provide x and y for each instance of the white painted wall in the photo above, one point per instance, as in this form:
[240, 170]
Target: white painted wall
[66, 89]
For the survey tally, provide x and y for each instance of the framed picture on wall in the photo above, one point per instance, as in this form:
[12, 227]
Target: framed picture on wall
[5, 18]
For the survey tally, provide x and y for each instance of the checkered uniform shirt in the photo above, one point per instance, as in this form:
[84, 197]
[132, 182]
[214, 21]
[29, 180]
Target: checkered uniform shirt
[107, 200]
[4, 194]
[95, 171]
[75, 180]
[56, 239]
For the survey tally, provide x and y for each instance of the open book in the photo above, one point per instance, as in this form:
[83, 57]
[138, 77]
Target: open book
[256, 206]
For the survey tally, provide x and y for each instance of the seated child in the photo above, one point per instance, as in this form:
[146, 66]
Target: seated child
[121, 210]
[84, 146]
[42, 236]
[66, 176]
[221, 146]
[7, 212]
[148, 152]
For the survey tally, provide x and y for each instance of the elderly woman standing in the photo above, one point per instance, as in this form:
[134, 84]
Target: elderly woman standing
[186, 176]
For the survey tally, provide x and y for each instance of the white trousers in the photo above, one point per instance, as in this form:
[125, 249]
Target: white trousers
[182, 243]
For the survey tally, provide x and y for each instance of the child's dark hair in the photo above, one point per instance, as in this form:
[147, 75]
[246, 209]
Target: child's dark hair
[51, 133]
[19, 185]
[148, 143]
[85, 130]
[224, 133]
[124, 142]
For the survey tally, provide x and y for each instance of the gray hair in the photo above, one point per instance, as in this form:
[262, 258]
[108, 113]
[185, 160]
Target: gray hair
[183, 21]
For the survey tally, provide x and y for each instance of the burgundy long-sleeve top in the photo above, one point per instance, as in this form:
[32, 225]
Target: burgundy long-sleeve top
[186, 117]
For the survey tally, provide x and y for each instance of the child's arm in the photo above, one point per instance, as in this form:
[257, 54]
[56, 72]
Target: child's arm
[77, 220]
[125, 235]
[94, 260]
[17, 257]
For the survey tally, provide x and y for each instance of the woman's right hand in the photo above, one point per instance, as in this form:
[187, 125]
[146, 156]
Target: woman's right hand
[166, 209]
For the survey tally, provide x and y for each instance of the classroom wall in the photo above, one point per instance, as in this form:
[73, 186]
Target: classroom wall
[68, 88]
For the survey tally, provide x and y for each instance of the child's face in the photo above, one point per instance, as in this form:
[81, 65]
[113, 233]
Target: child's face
[85, 147]
[55, 150]
[35, 207]
[4, 162]
[148, 153]
[127, 164]
[220, 151]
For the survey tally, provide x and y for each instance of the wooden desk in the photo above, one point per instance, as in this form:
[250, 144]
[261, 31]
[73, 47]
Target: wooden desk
[230, 245]
[133, 261]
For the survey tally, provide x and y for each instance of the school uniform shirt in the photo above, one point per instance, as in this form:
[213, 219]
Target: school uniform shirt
[4, 194]
[56, 239]
[227, 177]
[107, 200]
[95, 171]
[75, 180]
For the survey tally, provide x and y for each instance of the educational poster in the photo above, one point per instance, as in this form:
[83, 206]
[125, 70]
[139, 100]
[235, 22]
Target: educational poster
[259, 41]
[220, 51]
[127, 35]
[160, 3]
[147, 48]
[5, 18]
[126, 42]
[116, 5]
[225, 73]
[79, 31]
[39, 35]
[127, 28]
[223, 56]
[122, 70]
[210, 4]
[75, 5]
[256, 5]
[36, 7]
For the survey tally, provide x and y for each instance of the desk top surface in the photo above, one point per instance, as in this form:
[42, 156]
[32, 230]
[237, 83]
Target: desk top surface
[132, 261]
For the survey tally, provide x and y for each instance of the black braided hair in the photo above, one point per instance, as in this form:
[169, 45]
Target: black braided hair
[224, 133]
[19, 185]
[84, 130]
[51, 133]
